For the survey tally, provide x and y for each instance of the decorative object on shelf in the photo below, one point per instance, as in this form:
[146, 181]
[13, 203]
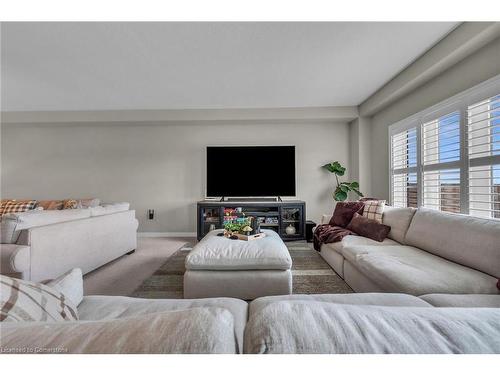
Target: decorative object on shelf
[342, 188]
[247, 230]
[290, 230]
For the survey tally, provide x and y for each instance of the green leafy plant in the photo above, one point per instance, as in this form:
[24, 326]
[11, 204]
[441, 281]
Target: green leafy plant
[236, 226]
[342, 188]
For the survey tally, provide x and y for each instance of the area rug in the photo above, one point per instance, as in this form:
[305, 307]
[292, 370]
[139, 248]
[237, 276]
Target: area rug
[311, 274]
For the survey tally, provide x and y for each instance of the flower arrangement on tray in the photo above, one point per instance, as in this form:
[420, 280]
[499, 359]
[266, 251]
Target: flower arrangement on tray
[242, 228]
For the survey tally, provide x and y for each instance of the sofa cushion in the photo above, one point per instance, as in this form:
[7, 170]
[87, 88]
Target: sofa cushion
[373, 299]
[25, 301]
[293, 327]
[70, 284]
[407, 269]
[467, 240]
[13, 223]
[220, 253]
[351, 240]
[399, 220]
[462, 300]
[114, 307]
[204, 330]
[109, 208]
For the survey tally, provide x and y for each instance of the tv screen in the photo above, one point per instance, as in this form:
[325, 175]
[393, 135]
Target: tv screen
[251, 171]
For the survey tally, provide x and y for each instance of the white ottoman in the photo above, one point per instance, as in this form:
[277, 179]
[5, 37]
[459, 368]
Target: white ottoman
[220, 267]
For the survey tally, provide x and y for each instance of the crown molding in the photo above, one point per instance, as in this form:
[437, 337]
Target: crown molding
[330, 114]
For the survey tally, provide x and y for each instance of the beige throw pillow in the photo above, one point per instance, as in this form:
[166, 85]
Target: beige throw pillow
[374, 210]
[26, 301]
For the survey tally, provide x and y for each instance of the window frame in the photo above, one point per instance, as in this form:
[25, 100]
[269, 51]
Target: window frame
[458, 103]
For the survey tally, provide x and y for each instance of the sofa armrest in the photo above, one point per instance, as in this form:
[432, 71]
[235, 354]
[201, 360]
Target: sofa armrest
[14, 260]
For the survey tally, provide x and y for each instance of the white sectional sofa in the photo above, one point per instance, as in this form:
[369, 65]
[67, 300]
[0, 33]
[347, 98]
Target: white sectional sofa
[426, 252]
[277, 324]
[40, 245]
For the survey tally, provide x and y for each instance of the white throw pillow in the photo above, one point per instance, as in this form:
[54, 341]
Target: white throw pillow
[25, 301]
[70, 284]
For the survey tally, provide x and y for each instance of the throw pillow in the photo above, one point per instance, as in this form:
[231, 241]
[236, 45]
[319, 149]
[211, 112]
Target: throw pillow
[70, 204]
[374, 210]
[51, 205]
[18, 206]
[70, 284]
[2, 205]
[344, 211]
[368, 228]
[25, 301]
[88, 202]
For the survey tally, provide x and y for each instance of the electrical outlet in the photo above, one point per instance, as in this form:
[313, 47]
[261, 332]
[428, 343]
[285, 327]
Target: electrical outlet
[151, 214]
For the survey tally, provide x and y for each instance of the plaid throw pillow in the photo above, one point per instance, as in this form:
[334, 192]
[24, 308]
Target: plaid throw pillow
[14, 206]
[374, 210]
[70, 204]
[2, 205]
[25, 301]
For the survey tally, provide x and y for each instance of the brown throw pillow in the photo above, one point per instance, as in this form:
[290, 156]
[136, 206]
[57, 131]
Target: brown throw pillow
[344, 212]
[368, 228]
[51, 205]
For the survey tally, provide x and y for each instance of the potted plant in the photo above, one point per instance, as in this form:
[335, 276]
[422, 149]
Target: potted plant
[342, 188]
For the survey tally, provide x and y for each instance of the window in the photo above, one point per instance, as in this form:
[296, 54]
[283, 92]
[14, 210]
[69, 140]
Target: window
[483, 124]
[404, 168]
[448, 157]
[440, 149]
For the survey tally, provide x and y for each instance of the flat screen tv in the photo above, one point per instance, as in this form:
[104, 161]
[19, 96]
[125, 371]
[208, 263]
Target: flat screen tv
[250, 171]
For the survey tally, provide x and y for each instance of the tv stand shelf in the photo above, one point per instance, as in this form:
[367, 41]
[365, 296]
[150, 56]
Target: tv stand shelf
[279, 215]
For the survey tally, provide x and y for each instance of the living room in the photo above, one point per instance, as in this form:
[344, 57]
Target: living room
[250, 187]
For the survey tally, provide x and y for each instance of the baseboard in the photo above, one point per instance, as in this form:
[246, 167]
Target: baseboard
[166, 234]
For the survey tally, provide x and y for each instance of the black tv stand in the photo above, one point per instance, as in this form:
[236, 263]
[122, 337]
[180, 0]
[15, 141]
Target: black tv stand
[275, 215]
[247, 199]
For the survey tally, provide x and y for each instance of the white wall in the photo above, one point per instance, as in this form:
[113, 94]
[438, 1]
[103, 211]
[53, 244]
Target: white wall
[159, 166]
[479, 67]
[360, 154]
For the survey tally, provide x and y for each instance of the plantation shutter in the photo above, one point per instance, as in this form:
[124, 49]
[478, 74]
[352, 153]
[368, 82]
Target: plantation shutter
[441, 163]
[483, 128]
[404, 168]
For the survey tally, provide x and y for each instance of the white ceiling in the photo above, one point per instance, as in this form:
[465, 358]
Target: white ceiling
[106, 66]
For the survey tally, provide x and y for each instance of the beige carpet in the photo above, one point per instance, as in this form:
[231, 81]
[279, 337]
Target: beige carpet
[124, 275]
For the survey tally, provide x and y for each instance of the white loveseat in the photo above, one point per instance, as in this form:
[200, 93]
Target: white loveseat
[427, 251]
[40, 245]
